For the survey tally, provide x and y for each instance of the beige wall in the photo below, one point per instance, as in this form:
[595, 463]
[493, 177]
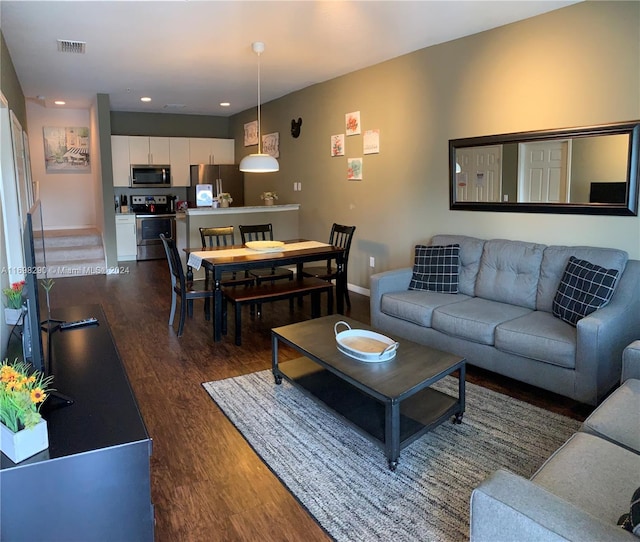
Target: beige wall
[576, 66]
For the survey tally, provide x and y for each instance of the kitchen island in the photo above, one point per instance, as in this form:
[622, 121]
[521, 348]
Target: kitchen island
[284, 219]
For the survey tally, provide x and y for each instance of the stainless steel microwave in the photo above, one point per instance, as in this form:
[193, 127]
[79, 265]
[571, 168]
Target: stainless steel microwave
[150, 176]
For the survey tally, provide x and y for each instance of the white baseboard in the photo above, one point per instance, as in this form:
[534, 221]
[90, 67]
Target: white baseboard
[358, 290]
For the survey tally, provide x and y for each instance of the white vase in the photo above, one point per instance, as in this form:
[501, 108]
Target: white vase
[268, 201]
[23, 444]
[12, 316]
[224, 203]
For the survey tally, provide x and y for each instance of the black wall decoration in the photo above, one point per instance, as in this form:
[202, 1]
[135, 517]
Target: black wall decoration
[295, 127]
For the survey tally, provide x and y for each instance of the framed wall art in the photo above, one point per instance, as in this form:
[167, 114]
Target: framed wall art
[371, 142]
[337, 145]
[354, 169]
[352, 123]
[271, 144]
[251, 133]
[66, 149]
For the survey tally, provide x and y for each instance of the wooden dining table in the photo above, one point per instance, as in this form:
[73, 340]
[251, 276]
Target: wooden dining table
[296, 252]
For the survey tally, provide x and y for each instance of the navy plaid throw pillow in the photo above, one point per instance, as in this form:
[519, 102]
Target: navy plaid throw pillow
[631, 521]
[436, 269]
[584, 288]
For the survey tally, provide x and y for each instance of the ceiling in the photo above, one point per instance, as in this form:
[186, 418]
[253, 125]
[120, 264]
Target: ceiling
[189, 56]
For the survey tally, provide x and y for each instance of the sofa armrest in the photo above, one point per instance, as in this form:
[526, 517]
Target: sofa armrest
[603, 335]
[507, 507]
[631, 362]
[388, 281]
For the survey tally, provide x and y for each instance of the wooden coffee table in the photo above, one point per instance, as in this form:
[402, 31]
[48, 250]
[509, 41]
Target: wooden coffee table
[389, 402]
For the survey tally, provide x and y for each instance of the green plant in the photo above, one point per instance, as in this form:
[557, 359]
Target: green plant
[225, 196]
[14, 295]
[21, 395]
[269, 195]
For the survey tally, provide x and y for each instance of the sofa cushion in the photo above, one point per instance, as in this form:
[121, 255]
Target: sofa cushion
[554, 262]
[509, 272]
[474, 319]
[435, 268]
[470, 255]
[584, 288]
[416, 305]
[539, 335]
[616, 419]
[593, 474]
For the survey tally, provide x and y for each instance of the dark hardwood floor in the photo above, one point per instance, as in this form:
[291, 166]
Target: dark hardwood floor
[207, 483]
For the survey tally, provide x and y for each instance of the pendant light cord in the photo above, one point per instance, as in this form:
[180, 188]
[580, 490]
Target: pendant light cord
[259, 136]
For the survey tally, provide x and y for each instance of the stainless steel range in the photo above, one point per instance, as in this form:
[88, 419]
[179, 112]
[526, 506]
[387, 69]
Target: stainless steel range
[154, 215]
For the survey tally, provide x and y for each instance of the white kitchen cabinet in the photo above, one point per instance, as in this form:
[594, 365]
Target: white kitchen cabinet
[224, 151]
[126, 237]
[149, 150]
[120, 160]
[205, 150]
[180, 161]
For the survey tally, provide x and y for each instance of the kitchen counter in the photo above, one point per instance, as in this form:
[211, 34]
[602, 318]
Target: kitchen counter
[242, 210]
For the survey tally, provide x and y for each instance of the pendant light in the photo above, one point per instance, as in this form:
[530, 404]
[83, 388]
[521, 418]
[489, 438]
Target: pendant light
[259, 163]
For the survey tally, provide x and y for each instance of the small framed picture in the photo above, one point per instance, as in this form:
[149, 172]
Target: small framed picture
[371, 142]
[352, 123]
[251, 133]
[354, 169]
[337, 145]
[271, 144]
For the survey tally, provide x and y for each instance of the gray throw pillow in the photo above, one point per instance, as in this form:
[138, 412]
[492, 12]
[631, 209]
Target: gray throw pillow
[584, 288]
[436, 268]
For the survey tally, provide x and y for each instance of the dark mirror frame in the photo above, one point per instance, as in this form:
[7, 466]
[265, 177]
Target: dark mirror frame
[629, 208]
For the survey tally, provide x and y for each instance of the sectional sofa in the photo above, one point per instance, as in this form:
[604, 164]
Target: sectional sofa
[497, 310]
[586, 491]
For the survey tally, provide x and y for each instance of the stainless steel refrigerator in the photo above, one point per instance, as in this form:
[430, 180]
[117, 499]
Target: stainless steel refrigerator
[223, 178]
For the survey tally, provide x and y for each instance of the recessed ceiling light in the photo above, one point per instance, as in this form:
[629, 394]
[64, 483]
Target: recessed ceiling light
[59, 102]
[145, 99]
[225, 104]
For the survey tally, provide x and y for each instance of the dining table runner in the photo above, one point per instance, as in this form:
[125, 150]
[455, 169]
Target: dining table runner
[195, 258]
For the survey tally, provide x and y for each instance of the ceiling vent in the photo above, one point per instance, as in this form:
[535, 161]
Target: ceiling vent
[70, 46]
[174, 106]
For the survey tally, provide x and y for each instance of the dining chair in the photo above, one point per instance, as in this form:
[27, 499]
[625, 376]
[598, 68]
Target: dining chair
[264, 232]
[186, 290]
[224, 236]
[340, 236]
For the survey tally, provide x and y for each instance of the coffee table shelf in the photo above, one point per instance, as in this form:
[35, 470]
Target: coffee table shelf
[391, 403]
[418, 413]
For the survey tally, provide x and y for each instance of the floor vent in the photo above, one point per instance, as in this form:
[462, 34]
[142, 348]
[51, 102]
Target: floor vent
[70, 46]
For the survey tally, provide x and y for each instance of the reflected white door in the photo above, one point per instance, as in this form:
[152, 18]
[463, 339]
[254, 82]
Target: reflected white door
[480, 176]
[542, 177]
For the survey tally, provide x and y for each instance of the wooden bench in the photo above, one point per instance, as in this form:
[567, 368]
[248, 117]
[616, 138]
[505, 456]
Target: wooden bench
[275, 291]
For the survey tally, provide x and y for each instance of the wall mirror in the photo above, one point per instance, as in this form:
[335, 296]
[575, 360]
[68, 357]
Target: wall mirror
[587, 170]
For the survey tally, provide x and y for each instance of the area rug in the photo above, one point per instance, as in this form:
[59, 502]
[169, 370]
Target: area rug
[343, 479]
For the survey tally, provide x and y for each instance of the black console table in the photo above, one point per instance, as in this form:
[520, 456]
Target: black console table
[93, 482]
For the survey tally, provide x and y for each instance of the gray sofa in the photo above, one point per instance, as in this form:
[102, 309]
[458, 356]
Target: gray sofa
[582, 489]
[501, 318]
